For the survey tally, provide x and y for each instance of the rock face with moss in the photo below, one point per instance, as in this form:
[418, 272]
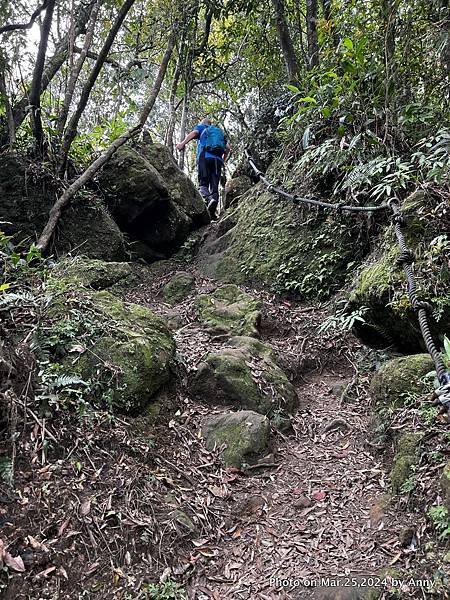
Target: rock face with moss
[245, 435]
[121, 350]
[230, 309]
[282, 245]
[399, 377]
[178, 287]
[151, 199]
[26, 197]
[406, 458]
[245, 376]
[381, 285]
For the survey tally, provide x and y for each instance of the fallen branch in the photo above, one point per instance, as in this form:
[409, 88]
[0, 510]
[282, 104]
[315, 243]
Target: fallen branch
[89, 173]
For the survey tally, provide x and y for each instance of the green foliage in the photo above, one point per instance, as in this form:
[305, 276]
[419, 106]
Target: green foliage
[169, 590]
[344, 318]
[6, 470]
[439, 516]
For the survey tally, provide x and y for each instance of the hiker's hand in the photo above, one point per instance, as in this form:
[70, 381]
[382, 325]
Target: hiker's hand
[180, 146]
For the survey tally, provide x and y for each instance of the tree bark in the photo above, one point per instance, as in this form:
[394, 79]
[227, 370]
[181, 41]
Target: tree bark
[54, 63]
[172, 107]
[75, 72]
[311, 34]
[285, 41]
[36, 83]
[7, 104]
[24, 26]
[71, 130]
[69, 193]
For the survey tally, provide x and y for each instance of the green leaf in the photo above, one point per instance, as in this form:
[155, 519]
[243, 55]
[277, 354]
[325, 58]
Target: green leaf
[293, 88]
[347, 42]
[309, 99]
[4, 286]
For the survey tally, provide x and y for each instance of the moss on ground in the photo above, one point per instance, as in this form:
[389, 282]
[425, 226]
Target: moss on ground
[405, 460]
[178, 288]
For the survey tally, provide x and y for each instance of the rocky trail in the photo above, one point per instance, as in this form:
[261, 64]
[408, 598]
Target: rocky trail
[205, 491]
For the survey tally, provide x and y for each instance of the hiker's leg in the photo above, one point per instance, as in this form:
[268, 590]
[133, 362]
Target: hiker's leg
[203, 178]
[214, 170]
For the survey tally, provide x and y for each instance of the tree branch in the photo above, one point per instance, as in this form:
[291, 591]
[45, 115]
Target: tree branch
[29, 25]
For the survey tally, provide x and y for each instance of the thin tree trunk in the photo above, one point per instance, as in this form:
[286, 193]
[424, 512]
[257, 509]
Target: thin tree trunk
[172, 109]
[71, 130]
[36, 83]
[311, 33]
[54, 63]
[75, 72]
[183, 123]
[65, 198]
[285, 40]
[7, 104]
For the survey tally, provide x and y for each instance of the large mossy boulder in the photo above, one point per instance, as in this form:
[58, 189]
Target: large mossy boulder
[245, 376]
[244, 435]
[381, 287]
[230, 309]
[27, 194]
[98, 274]
[151, 199]
[122, 351]
[178, 287]
[285, 246]
[405, 460]
[400, 378]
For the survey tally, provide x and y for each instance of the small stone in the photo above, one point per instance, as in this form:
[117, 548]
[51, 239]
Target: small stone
[302, 502]
[178, 287]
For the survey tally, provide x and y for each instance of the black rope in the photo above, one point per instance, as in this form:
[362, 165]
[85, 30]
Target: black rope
[405, 259]
[299, 199]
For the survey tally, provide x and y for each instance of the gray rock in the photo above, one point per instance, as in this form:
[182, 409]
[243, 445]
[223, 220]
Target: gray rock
[244, 433]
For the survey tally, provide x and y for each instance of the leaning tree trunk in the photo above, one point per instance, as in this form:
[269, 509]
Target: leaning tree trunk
[35, 91]
[311, 33]
[86, 92]
[285, 40]
[65, 198]
[4, 96]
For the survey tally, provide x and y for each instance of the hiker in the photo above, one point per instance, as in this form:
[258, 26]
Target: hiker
[212, 152]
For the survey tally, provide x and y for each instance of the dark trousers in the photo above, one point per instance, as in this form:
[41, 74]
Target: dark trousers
[209, 170]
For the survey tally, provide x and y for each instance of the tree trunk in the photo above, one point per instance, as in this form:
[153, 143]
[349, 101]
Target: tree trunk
[89, 173]
[36, 83]
[54, 63]
[183, 123]
[311, 34]
[86, 92]
[172, 108]
[75, 72]
[4, 96]
[285, 40]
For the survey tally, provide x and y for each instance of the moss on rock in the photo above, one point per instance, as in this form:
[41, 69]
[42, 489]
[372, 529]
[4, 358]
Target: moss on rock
[124, 351]
[98, 274]
[229, 308]
[405, 460]
[400, 377]
[178, 287]
[246, 376]
[244, 433]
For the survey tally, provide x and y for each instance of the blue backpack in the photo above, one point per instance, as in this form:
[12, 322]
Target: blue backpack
[213, 140]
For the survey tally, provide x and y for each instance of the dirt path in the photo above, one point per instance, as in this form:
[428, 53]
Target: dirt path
[315, 508]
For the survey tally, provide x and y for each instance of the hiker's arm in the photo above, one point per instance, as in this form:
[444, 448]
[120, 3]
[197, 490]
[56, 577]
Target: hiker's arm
[191, 136]
[226, 154]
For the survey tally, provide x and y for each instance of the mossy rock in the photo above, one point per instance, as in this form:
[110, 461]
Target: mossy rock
[398, 378]
[178, 287]
[98, 274]
[245, 434]
[245, 376]
[284, 246]
[445, 485]
[381, 285]
[127, 353]
[230, 309]
[405, 460]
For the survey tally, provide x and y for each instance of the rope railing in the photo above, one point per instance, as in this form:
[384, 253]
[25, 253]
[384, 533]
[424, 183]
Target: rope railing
[405, 260]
